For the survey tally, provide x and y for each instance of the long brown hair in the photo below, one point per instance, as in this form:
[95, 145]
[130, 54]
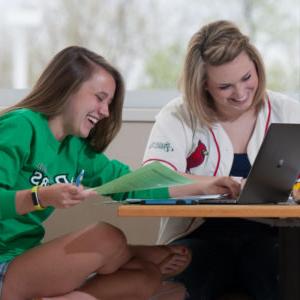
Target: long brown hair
[215, 44]
[62, 77]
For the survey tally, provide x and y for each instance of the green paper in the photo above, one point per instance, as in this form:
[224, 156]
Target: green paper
[151, 176]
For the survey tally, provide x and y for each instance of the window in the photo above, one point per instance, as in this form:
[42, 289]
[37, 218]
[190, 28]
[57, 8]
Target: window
[145, 39]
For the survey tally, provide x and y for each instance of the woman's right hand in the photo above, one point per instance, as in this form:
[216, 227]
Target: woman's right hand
[63, 195]
[222, 185]
[205, 185]
[60, 195]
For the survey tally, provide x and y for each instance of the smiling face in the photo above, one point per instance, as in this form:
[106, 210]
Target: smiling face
[232, 86]
[86, 107]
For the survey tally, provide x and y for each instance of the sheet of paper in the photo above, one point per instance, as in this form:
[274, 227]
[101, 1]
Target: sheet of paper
[205, 197]
[151, 176]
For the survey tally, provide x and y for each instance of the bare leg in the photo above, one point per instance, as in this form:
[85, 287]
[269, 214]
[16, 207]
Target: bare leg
[171, 259]
[121, 283]
[133, 281]
[76, 295]
[136, 280]
[62, 265]
[166, 291]
[170, 291]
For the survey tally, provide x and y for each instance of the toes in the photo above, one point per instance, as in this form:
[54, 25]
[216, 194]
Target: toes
[173, 265]
[179, 249]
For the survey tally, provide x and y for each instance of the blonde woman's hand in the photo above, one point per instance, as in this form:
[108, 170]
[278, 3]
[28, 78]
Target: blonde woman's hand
[205, 185]
[63, 195]
[222, 185]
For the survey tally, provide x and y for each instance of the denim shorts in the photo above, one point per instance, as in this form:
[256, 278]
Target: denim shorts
[3, 268]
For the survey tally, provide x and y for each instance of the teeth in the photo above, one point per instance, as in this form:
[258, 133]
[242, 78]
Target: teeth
[241, 99]
[92, 119]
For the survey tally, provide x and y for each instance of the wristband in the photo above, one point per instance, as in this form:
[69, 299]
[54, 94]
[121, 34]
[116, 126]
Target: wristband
[35, 199]
[296, 186]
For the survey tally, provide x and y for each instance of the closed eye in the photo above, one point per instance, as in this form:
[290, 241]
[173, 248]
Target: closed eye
[224, 87]
[99, 98]
[247, 77]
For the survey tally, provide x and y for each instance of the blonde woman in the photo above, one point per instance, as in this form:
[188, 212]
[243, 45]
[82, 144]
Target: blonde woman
[215, 129]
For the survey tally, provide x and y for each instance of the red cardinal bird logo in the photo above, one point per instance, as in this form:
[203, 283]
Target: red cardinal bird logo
[197, 157]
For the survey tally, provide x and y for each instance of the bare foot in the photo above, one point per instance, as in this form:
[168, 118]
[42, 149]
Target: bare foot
[176, 262]
[171, 259]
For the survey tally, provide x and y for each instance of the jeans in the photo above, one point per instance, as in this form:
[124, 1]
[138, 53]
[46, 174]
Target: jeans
[232, 255]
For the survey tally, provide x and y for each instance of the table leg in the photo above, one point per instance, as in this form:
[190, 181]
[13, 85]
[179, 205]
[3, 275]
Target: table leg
[289, 263]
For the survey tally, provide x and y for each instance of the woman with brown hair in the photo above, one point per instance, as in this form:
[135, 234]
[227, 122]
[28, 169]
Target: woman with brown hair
[61, 128]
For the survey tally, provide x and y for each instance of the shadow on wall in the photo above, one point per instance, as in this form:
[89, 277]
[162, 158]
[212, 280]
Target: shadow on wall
[137, 230]
[128, 149]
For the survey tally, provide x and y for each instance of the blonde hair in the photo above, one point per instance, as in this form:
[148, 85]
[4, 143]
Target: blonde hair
[64, 76]
[215, 44]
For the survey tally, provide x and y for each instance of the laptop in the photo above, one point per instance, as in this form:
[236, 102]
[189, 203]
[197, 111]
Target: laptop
[271, 178]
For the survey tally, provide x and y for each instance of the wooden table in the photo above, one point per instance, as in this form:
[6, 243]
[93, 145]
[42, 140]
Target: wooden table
[287, 218]
[209, 211]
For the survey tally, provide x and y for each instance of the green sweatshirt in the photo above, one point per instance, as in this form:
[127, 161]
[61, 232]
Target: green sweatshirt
[30, 155]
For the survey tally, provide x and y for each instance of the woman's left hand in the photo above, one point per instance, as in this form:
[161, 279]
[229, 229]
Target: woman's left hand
[63, 195]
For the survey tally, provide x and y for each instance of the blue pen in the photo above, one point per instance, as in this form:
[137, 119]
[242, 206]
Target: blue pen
[79, 178]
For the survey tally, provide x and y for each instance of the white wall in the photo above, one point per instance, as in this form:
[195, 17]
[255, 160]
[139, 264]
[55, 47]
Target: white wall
[138, 105]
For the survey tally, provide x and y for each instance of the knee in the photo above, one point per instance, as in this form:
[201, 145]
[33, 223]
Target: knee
[102, 238]
[112, 244]
[109, 237]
